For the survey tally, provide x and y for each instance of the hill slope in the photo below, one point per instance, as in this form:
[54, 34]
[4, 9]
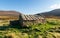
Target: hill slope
[9, 13]
[55, 12]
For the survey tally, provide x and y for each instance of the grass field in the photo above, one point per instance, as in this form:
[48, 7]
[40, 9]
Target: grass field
[51, 29]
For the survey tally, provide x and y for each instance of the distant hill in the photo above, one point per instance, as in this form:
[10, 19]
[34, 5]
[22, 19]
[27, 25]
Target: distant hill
[13, 13]
[52, 13]
[9, 15]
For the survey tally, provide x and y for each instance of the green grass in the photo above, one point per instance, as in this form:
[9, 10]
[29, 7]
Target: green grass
[32, 31]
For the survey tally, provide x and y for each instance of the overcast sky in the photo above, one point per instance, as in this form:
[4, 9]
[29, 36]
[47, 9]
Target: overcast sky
[29, 6]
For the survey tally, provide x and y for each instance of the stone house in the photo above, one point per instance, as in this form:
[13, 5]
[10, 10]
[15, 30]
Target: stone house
[25, 20]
